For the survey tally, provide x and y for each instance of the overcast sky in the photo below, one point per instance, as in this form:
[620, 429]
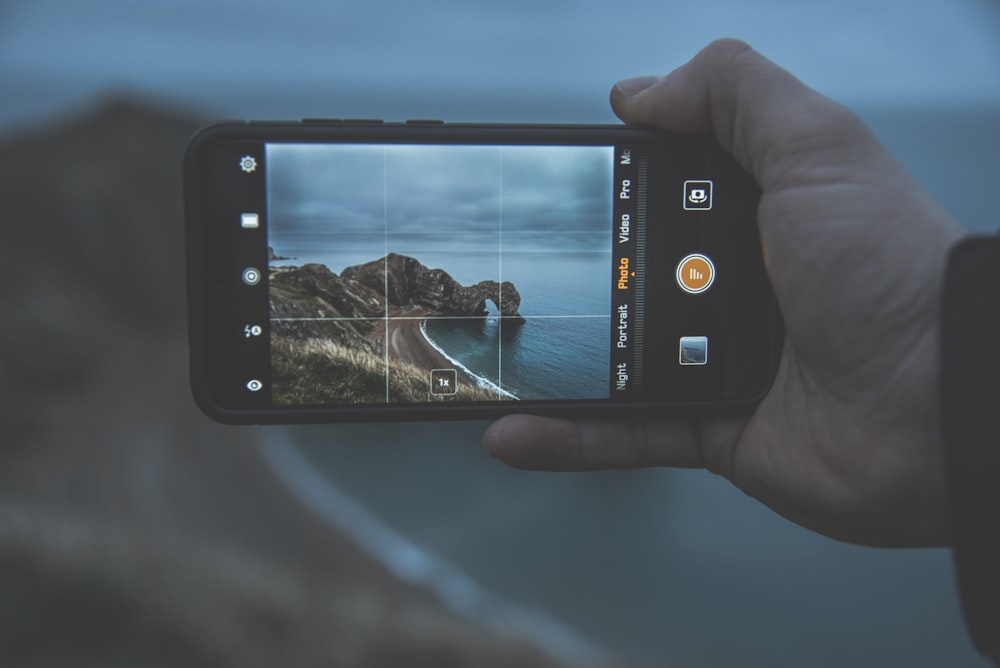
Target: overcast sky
[441, 197]
[512, 60]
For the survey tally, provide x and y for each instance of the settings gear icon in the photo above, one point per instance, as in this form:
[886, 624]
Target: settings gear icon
[248, 163]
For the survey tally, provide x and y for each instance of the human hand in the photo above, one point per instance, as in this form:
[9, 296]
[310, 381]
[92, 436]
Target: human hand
[847, 441]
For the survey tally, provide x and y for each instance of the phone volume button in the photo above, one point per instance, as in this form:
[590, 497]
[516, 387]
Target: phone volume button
[424, 121]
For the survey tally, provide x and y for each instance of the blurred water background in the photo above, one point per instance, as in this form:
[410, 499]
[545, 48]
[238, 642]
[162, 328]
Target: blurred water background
[667, 565]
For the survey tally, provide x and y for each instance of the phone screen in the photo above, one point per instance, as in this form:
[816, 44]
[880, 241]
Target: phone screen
[484, 269]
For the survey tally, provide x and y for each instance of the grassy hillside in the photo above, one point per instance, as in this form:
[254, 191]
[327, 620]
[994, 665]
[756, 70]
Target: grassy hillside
[321, 371]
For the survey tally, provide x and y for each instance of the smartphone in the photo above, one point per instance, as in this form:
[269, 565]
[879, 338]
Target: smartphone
[364, 270]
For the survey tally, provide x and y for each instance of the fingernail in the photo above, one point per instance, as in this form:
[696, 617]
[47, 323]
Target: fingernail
[629, 87]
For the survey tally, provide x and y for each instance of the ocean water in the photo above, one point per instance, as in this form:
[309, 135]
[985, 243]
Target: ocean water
[561, 350]
[545, 358]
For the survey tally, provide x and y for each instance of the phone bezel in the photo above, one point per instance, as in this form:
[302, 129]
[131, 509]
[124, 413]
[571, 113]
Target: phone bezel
[326, 130]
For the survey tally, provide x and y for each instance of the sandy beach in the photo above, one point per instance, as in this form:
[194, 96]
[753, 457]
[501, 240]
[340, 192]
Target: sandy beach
[407, 344]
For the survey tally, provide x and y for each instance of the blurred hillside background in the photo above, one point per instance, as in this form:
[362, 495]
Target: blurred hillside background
[400, 544]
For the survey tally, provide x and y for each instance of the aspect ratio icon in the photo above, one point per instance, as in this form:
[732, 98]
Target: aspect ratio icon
[697, 195]
[695, 273]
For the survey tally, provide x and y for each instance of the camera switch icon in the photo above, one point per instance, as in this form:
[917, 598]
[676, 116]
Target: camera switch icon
[697, 195]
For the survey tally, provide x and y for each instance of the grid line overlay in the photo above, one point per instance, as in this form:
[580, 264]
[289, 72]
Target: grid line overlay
[500, 271]
[385, 263]
[441, 317]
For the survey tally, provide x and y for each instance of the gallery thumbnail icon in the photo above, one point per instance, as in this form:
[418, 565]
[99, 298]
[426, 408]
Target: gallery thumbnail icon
[694, 350]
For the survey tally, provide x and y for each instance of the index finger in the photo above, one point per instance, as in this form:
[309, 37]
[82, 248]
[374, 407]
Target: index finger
[548, 444]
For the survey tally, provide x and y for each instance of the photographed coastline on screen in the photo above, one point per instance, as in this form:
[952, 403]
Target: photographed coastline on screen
[388, 262]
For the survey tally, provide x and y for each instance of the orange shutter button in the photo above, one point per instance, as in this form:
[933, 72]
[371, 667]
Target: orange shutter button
[695, 273]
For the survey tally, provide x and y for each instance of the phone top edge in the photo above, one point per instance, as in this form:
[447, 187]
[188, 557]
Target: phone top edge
[416, 130]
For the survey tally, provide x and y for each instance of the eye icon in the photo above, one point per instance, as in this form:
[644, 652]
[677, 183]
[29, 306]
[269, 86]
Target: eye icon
[248, 163]
[254, 385]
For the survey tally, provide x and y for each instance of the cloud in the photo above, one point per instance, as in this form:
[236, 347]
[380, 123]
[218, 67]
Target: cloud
[448, 197]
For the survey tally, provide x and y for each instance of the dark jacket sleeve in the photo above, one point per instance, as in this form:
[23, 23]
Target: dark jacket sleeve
[970, 385]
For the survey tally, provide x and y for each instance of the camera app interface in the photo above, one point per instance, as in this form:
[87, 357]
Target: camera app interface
[423, 273]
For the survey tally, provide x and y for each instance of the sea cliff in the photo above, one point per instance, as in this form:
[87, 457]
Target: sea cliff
[331, 341]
